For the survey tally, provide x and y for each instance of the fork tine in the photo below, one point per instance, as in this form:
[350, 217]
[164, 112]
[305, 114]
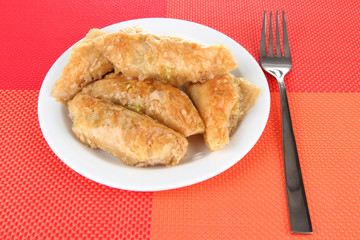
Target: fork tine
[271, 42]
[263, 37]
[285, 37]
[278, 47]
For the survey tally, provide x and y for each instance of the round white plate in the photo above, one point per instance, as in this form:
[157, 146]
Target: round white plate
[198, 165]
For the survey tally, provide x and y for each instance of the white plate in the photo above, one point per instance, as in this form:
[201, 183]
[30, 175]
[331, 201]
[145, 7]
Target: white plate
[198, 165]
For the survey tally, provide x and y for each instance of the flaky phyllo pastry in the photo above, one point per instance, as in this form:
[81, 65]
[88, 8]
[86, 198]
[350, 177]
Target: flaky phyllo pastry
[223, 102]
[86, 64]
[134, 138]
[171, 59]
[167, 104]
[136, 53]
[137, 113]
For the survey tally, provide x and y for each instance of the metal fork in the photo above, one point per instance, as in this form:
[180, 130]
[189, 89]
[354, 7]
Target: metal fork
[278, 65]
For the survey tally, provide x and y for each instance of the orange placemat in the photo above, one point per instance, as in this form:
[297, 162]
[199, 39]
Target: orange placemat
[42, 198]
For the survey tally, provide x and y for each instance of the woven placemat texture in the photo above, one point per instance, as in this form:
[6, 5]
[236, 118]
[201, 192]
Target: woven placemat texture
[322, 36]
[42, 198]
[249, 200]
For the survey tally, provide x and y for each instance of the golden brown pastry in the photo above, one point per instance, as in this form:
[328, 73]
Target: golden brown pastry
[134, 138]
[248, 93]
[163, 102]
[172, 59]
[222, 102]
[86, 64]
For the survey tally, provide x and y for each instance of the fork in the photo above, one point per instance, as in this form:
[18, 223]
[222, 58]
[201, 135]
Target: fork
[278, 66]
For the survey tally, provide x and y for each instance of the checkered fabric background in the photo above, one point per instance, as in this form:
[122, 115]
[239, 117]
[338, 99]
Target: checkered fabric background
[42, 198]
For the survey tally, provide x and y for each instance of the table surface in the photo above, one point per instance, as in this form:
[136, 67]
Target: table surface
[40, 197]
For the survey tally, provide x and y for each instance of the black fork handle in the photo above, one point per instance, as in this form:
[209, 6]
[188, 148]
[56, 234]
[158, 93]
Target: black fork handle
[298, 208]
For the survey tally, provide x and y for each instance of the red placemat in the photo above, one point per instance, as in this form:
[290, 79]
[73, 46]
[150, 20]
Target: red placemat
[42, 198]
